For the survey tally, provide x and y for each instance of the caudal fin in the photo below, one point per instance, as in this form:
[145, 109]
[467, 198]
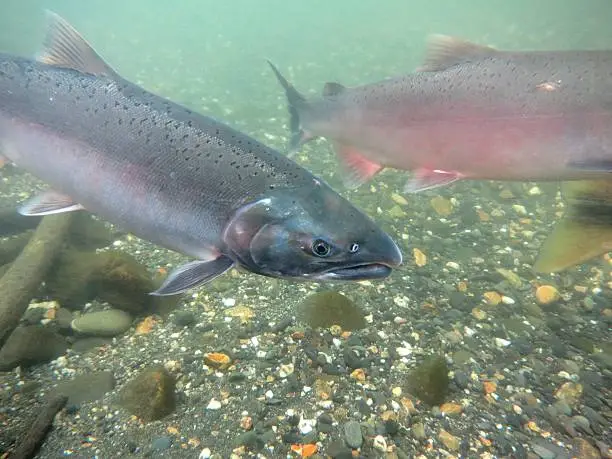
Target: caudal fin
[296, 104]
[584, 232]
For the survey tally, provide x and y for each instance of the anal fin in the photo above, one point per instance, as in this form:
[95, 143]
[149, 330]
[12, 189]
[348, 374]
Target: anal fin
[426, 179]
[592, 166]
[47, 203]
[194, 273]
[356, 168]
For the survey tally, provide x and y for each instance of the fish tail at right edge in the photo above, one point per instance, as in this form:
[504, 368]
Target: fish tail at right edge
[584, 232]
[296, 104]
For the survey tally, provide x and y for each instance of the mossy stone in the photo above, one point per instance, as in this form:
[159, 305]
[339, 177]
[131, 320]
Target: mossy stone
[150, 395]
[324, 309]
[429, 380]
[114, 276]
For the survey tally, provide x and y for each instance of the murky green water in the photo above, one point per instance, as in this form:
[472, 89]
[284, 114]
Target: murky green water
[210, 56]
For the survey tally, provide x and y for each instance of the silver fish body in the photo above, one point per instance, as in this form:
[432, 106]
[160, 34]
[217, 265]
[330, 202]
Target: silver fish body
[174, 177]
[472, 112]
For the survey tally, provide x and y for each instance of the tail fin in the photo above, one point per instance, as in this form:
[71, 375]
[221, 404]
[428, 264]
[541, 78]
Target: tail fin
[296, 104]
[584, 232]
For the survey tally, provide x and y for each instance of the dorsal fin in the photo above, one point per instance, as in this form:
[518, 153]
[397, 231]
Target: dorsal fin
[444, 52]
[65, 47]
[332, 88]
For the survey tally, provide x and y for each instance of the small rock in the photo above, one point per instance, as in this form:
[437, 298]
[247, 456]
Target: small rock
[562, 407]
[492, 298]
[89, 344]
[285, 370]
[150, 395]
[31, 345]
[429, 380]
[161, 443]
[461, 379]
[543, 452]
[110, 322]
[547, 294]
[352, 434]
[451, 408]
[582, 423]
[380, 443]
[449, 441]
[324, 309]
[569, 392]
[86, 387]
[217, 360]
[213, 405]
[584, 450]
[243, 313]
[418, 431]
[184, 318]
[64, 319]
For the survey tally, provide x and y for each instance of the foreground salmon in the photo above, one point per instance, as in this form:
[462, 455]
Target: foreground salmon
[174, 177]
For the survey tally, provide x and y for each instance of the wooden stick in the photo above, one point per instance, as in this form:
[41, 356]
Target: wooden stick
[20, 283]
[36, 434]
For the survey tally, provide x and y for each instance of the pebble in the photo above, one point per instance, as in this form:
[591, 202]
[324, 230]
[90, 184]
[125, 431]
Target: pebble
[584, 450]
[418, 430]
[562, 408]
[507, 300]
[451, 408]
[403, 351]
[461, 379]
[352, 434]
[500, 342]
[543, 452]
[569, 392]
[86, 387]
[206, 453]
[30, 345]
[110, 322]
[184, 318]
[213, 405]
[547, 450]
[449, 440]
[285, 370]
[582, 423]
[380, 443]
[453, 265]
[161, 443]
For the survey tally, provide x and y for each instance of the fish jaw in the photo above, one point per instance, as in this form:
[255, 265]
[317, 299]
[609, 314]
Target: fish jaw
[309, 234]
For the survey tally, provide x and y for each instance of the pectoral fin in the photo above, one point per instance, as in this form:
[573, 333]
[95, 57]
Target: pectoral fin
[356, 168]
[425, 179]
[572, 243]
[584, 232]
[47, 203]
[194, 273]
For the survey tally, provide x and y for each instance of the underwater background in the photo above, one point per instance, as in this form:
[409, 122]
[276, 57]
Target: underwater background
[462, 352]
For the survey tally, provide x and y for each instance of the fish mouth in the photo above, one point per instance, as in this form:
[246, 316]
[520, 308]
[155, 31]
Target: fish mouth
[365, 271]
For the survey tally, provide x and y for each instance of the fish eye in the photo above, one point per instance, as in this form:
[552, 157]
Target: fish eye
[321, 248]
[354, 247]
